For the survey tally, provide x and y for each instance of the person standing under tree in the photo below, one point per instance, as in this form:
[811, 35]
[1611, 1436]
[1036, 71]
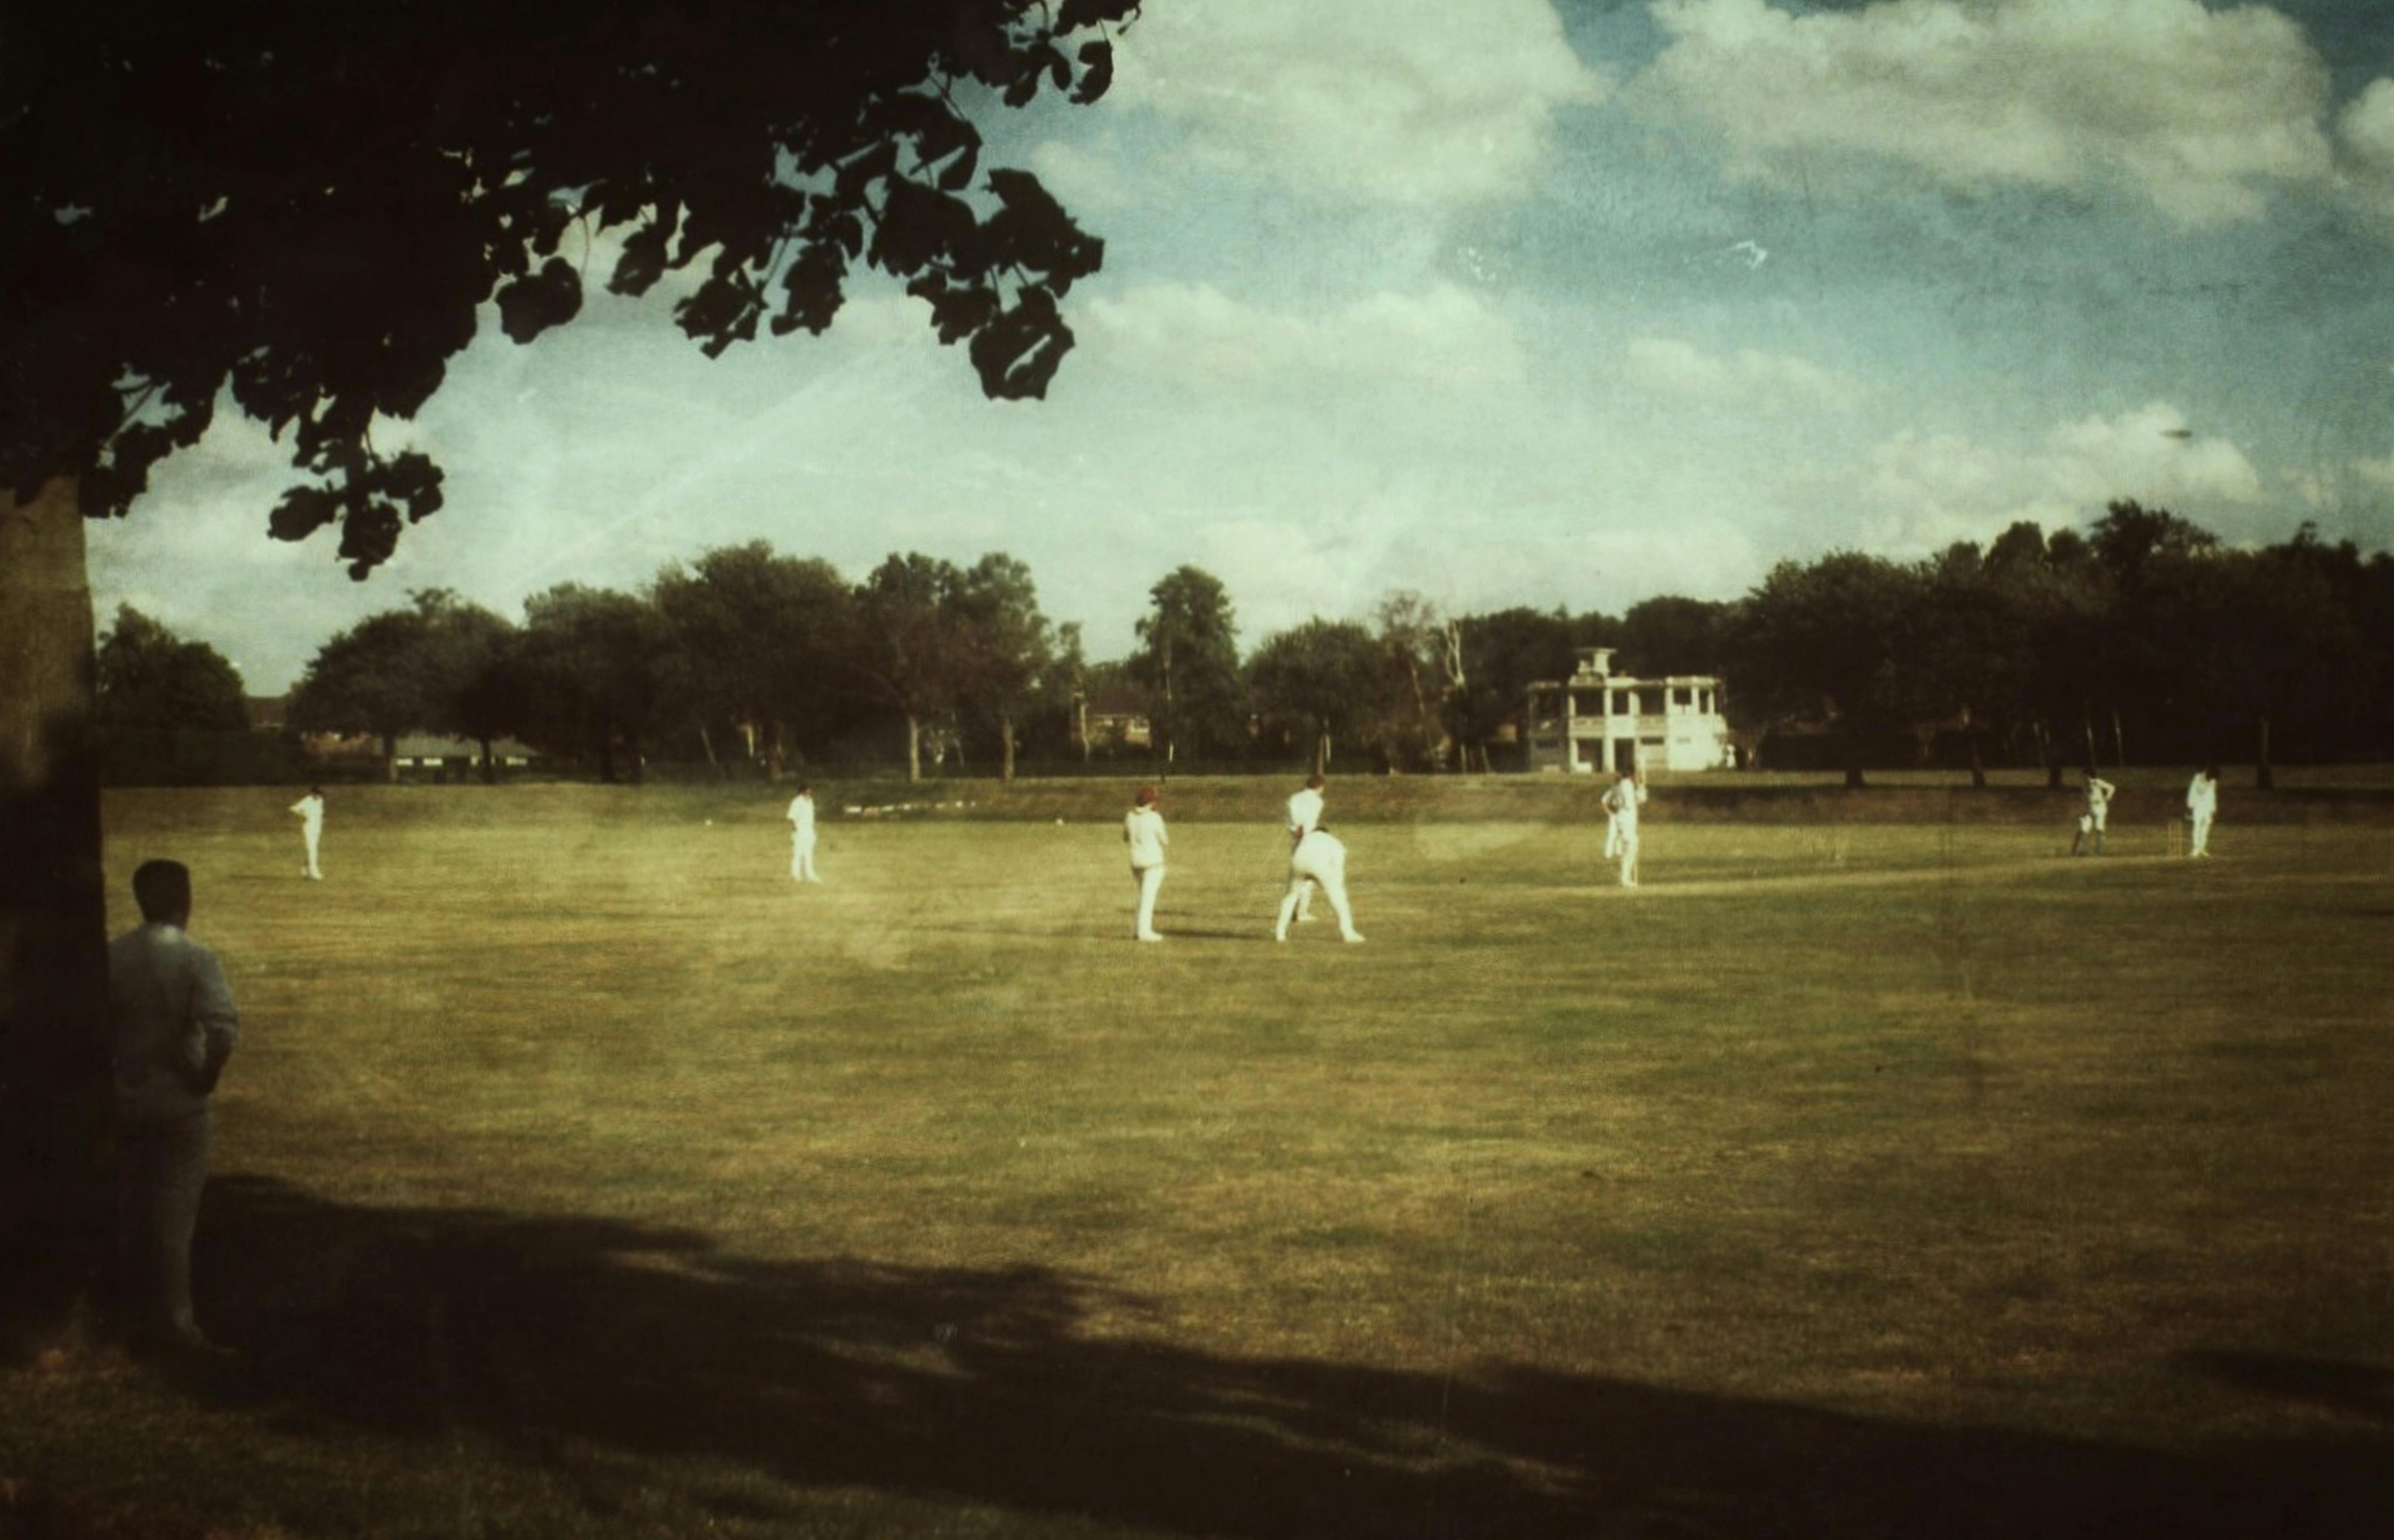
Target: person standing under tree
[1143, 831]
[2201, 806]
[1304, 817]
[802, 835]
[174, 1027]
[310, 810]
[2100, 793]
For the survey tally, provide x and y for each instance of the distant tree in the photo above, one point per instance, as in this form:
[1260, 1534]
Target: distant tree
[1971, 652]
[1832, 638]
[470, 675]
[1188, 659]
[2130, 536]
[909, 647]
[1329, 679]
[1414, 634]
[378, 676]
[1006, 645]
[1496, 657]
[593, 665]
[2262, 641]
[1672, 634]
[758, 639]
[2058, 654]
[150, 679]
[1063, 688]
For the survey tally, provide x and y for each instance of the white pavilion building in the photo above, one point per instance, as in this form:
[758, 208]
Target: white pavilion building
[1600, 720]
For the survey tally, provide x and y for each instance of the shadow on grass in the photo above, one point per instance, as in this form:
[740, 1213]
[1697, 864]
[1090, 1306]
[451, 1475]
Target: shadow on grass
[579, 1342]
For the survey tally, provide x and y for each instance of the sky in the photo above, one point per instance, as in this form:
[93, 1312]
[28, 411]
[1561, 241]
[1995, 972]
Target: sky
[1544, 302]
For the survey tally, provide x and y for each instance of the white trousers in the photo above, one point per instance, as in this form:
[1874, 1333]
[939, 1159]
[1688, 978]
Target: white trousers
[2199, 838]
[802, 859]
[312, 837]
[1626, 849]
[1149, 878]
[1320, 861]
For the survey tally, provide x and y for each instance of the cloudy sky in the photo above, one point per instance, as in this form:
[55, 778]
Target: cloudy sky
[1506, 301]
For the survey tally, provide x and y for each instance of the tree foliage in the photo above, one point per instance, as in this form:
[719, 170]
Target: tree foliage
[304, 208]
[1188, 660]
[1323, 682]
[152, 679]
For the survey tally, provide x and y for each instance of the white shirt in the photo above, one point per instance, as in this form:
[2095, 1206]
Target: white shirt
[1304, 811]
[2202, 797]
[2099, 794]
[1143, 827]
[312, 811]
[802, 814]
[1621, 802]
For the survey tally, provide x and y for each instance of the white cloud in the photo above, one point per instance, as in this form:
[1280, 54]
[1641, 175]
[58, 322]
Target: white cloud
[2201, 112]
[1771, 384]
[2149, 454]
[2365, 142]
[1410, 101]
[1197, 336]
[1917, 492]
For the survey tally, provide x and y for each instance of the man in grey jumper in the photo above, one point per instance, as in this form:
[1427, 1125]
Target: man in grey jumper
[174, 1027]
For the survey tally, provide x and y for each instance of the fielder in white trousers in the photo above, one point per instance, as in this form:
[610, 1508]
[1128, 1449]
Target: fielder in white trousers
[802, 836]
[1621, 830]
[1143, 831]
[310, 810]
[1304, 817]
[1320, 860]
[2201, 806]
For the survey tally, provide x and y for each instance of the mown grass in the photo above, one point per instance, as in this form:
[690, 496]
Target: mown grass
[580, 1175]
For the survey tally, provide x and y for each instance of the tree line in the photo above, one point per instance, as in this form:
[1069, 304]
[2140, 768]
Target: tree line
[2142, 636]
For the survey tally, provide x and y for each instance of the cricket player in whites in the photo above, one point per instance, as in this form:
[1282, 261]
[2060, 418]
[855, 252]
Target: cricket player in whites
[1304, 817]
[2201, 806]
[311, 811]
[802, 835]
[1319, 859]
[1621, 804]
[1143, 831]
[2100, 793]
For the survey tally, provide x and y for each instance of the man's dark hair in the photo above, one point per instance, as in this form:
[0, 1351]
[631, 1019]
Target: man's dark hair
[163, 889]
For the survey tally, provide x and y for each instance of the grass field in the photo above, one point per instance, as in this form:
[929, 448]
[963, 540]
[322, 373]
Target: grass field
[580, 1175]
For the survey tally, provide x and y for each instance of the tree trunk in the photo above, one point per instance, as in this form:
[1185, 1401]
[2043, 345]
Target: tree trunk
[2264, 776]
[706, 745]
[390, 758]
[1081, 727]
[2044, 757]
[54, 1089]
[1978, 763]
[489, 764]
[639, 761]
[1853, 747]
[2119, 741]
[1321, 753]
[1006, 740]
[913, 748]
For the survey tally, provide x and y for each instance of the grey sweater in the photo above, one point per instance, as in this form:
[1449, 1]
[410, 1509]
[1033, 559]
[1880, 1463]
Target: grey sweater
[174, 1022]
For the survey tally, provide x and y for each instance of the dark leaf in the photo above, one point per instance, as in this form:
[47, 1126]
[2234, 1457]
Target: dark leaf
[549, 297]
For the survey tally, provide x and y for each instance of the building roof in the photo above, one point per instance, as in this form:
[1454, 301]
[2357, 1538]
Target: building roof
[427, 746]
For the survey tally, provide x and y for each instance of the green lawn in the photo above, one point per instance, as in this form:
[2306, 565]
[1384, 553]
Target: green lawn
[580, 1175]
